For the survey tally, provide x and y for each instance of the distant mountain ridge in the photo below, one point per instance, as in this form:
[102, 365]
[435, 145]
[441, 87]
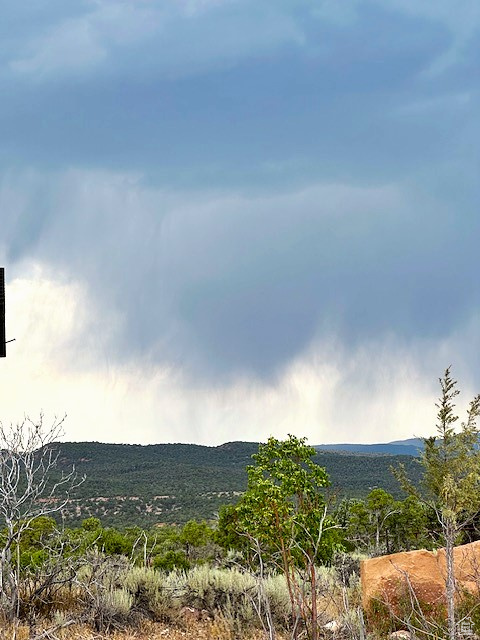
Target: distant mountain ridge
[148, 485]
[409, 447]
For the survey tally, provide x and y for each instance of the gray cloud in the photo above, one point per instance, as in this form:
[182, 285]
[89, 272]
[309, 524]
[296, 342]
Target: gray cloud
[236, 180]
[225, 284]
[190, 107]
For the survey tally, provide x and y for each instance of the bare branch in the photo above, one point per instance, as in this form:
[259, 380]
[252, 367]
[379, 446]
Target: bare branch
[28, 489]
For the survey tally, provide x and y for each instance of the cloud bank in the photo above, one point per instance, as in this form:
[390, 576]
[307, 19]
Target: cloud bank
[226, 219]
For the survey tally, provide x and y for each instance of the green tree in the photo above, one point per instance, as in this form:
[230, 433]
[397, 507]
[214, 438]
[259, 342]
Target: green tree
[194, 534]
[171, 560]
[411, 528]
[369, 522]
[227, 533]
[451, 483]
[283, 515]
[382, 509]
[91, 524]
[380, 524]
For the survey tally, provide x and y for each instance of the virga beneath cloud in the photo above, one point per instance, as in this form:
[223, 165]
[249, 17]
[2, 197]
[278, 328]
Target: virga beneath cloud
[250, 210]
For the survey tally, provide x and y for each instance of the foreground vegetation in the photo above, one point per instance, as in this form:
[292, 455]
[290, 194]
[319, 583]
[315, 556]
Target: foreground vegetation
[282, 562]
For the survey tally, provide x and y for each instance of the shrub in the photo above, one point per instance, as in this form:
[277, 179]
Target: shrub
[171, 560]
[113, 608]
[408, 611]
[236, 596]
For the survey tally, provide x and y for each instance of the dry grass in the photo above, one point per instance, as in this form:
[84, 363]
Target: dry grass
[126, 602]
[209, 630]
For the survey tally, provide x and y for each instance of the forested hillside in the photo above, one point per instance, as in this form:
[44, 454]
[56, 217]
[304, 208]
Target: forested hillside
[173, 483]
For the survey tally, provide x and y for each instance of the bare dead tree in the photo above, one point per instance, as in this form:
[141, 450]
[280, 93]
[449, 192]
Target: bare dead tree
[29, 488]
[260, 601]
[305, 579]
[302, 579]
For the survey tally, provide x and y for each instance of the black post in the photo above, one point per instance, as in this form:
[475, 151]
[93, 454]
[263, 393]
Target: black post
[3, 346]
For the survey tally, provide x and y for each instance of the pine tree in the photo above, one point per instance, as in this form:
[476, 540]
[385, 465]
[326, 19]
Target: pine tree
[451, 481]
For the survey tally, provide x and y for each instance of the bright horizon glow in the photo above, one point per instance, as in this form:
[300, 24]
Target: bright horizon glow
[308, 398]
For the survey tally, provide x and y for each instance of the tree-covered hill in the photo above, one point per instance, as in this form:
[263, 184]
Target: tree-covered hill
[165, 483]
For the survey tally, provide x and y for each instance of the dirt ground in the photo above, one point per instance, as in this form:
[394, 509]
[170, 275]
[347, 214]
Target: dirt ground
[211, 630]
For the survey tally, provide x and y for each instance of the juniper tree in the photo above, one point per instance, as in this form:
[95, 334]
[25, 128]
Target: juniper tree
[451, 480]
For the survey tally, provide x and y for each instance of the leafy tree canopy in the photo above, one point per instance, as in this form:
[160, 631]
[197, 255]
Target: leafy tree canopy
[284, 509]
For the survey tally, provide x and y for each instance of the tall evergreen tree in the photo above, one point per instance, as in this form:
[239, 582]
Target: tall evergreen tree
[451, 482]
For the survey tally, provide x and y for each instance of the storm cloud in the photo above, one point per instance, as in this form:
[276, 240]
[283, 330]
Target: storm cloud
[236, 188]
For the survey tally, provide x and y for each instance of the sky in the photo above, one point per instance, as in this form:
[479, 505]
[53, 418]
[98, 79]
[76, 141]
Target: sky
[233, 219]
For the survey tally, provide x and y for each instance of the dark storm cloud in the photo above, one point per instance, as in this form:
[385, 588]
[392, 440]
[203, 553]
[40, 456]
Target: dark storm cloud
[308, 91]
[244, 284]
[241, 180]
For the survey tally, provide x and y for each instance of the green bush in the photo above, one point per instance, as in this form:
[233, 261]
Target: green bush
[171, 560]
